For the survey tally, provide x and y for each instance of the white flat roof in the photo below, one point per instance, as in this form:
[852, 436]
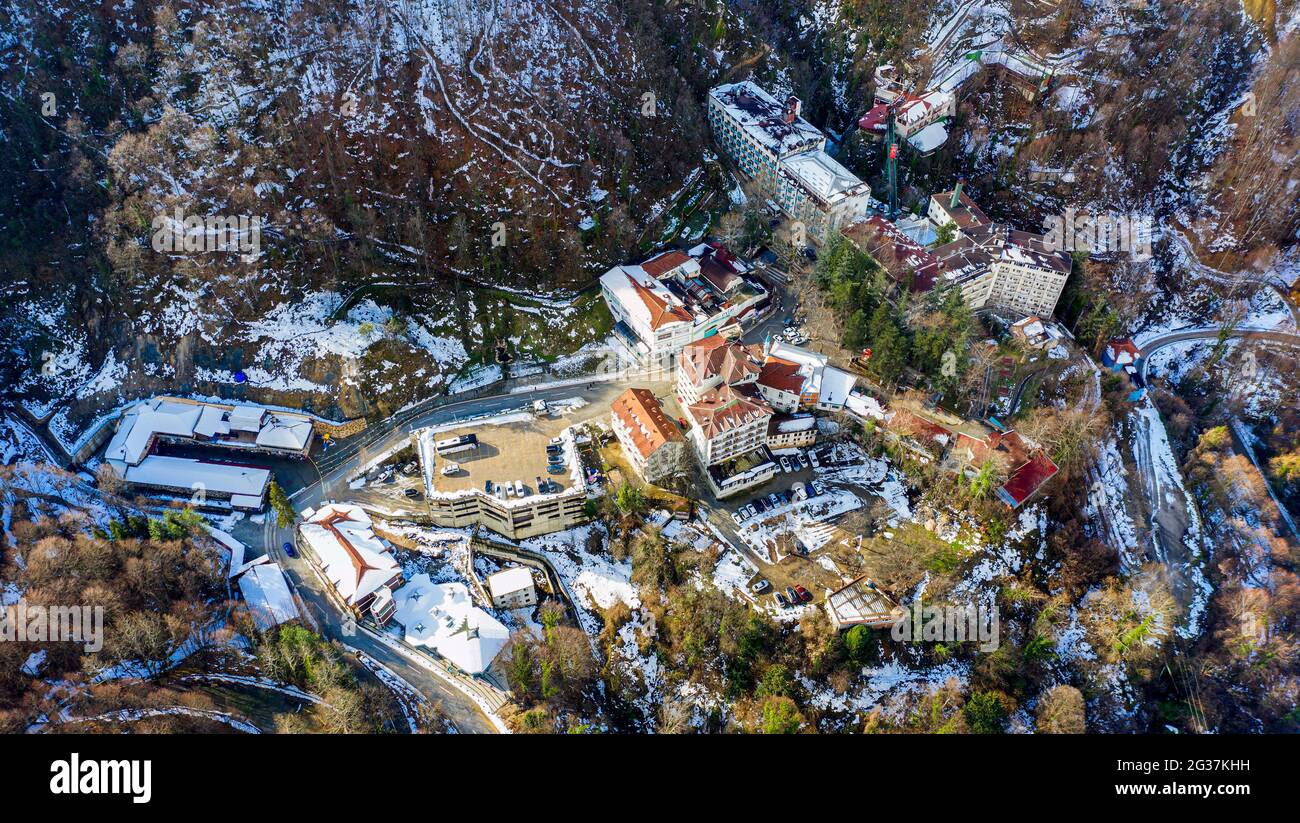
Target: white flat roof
[186, 474]
[508, 581]
[442, 617]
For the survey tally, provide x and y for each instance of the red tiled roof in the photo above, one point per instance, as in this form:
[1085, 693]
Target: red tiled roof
[1028, 479]
[725, 408]
[1125, 345]
[967, 214]
[644, 419]
[900, 255]
[781, 375]
[661, 313]
[657, 266]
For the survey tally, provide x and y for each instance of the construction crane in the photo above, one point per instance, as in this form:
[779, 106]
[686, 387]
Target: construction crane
[891, 157]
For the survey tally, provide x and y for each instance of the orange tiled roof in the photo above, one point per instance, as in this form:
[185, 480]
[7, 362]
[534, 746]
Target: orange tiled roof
[656, 267]
[661, 313]
[781, 375]
[644, 420]
[716, 356]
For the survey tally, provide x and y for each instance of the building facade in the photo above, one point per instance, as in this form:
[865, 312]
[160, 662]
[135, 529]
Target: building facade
[784, 156]
[675, 298]
[651, 442]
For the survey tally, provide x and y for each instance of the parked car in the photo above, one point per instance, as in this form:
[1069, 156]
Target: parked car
[785, 464]
[812, 458]
[748, 511]
[487, 486]
[774, 499]
[410, 468]
[814, 489]
[760, 586]
[413, 494]
[800, 491]
[782, 601]
[736, 516]
[786, 496]
[792, 594]
[804, 595]
[760, 505]
[796, 462]
[289, 549]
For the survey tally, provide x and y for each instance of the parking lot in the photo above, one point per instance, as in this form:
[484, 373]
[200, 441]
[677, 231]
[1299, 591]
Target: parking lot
[513, 453]
[788, 537]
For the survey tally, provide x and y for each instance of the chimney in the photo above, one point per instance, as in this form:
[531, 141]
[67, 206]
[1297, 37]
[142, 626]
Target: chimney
[792, 107]
[956, 195]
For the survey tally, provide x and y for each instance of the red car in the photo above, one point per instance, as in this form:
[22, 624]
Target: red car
[804, 596]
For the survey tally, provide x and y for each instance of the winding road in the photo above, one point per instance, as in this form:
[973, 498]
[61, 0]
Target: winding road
[338, 467]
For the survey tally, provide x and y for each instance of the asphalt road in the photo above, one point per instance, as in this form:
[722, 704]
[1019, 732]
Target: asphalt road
[1155, 344]
[342, 462]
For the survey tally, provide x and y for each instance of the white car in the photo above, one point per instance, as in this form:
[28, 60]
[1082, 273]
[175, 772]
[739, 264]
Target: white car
[812, 458]
[450, 469]
[736, 516]
[760, 587]
[785, 464]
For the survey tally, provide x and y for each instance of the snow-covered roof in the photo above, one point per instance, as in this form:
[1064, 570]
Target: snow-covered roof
[285, 433]
[246, 418]
[836, 385]
[929, 138]
[509, 581]
[188, 474]
[267, 595]
[762, 117]
[824, 177]
[795, 354]
[157, 416]
[234, 546]
[794, 423]
[214, 423]
[353, 558]
[441, 616]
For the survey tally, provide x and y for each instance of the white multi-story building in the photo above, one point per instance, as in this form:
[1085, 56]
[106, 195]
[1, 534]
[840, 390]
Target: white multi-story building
[993, 264]
[727, 422]
[784, 155]
[675, 298]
